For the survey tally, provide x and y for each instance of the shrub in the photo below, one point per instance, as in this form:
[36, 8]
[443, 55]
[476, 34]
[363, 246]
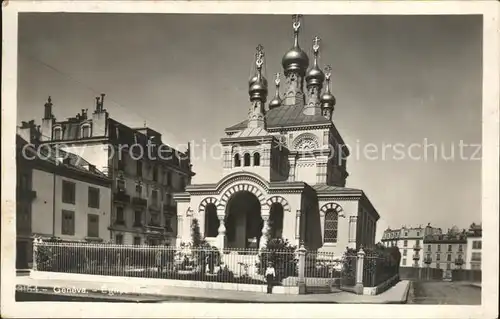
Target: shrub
[282, 254]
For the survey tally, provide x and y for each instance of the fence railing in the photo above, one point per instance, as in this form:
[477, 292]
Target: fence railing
[292, 267]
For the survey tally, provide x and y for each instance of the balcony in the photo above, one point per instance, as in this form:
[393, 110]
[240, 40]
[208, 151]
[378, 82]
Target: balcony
[25, 194]
[122, 197]
[428, 260]
[417, 247]
[459, 262]
[416, 256]
[139, 202]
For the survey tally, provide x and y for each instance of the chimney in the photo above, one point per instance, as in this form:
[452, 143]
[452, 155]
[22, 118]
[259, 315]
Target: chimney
[47, 121]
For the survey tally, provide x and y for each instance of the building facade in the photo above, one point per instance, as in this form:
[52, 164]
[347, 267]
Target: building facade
[58, 195]
[409, 240]
[474, 247]
[145, 171]
[284, 170]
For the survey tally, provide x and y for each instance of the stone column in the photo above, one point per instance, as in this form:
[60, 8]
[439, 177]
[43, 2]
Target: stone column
[180, 230]
[297, 227]
[301, 281]
[221, 237]
[352, 231]
[292, 160]
[359, 271]
[265, 228]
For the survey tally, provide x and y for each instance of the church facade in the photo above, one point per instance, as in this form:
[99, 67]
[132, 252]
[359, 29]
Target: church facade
[284, 169]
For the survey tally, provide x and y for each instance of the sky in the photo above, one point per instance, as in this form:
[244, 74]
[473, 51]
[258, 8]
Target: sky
[402, 84]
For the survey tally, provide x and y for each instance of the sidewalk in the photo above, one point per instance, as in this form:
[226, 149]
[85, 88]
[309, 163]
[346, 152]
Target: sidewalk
[397, 294]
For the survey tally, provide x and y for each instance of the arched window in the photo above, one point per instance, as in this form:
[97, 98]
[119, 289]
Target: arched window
[276, 220]
[57, 133]
[246, 159]
[331, 226]
[256, 159]
[211, 221]
[237, 160]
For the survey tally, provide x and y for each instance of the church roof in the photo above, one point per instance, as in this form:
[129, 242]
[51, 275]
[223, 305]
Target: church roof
[324, 189]
[251, 132]
[286, 115]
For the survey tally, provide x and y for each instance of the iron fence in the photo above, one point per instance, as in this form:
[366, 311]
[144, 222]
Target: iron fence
[378, 269]
[181, 263]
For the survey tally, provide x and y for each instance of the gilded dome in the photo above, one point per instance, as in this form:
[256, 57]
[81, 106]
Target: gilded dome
[315, 76]
[295, 60]
[275, 102]
[328, 98]
[258, 88]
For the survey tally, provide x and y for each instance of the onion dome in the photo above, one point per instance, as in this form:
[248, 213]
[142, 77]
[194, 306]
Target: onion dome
[327, 97]
[295, 59]
[258, 84]
[315, 76]
[276, 101]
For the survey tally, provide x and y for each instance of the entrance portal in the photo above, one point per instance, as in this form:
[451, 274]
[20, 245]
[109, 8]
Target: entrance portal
[243, 221]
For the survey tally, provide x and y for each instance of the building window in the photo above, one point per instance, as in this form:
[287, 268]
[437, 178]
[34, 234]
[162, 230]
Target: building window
[137, 241]
[86, 131]
[449, 248]
[476, 244]
[448, 258]
[438, 265]
[439, 248]
[211, 221]
[68, 192]
[256, 159]
[154, 197]
[475, 266]
[120, 184]
[119, 239]
[119, 216]
[429, 248]
[438, 257]
[246, 159]
[476, 256]
[418, 234]
[93, 201]
[404, 262]
[121, 160]
[237, 160]
[168, 222]
[155, 173]
[68, 222]
[448, 266]
[405, 243]
[417, 242]
[138, 190]
[93, 225]
[168, 198]
[169, 178]
[138, 169]
[460, 248]
[138, 218]
[406, 233]
[404, 252]
[331, 224]
[57, 133]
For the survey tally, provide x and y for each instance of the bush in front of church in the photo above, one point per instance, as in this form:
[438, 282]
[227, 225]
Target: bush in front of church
[281, 254]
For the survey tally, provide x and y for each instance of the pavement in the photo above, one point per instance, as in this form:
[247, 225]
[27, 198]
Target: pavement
[155, 293]
[445, 293]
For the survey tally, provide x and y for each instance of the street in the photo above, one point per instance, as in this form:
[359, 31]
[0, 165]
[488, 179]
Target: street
[444, 293]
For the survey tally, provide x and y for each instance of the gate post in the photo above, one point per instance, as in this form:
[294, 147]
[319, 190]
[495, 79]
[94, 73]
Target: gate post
[36, 243]
[359, 271]
[301, 282]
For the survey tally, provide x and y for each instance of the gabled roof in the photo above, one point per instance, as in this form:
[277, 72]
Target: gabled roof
[284, 116]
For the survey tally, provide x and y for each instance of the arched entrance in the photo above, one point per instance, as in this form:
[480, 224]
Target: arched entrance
[243, 221]
[276, 220]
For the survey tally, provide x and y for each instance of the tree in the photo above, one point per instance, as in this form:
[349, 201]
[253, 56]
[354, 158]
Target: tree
[282, 254]
[196, 238]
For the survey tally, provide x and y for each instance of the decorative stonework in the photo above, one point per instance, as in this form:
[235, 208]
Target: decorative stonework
[205, 202]
[336, 207]
[281, 200]
[306, 141]
[241, 187]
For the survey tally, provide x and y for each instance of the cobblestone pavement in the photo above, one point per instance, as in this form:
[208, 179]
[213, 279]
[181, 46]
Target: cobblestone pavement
[444, 293]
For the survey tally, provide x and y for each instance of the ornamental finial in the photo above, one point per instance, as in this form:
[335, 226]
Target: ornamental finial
[259, 56]
[328, 72]
[277, 79]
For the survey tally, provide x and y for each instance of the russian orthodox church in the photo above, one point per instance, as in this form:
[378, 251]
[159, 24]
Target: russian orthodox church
[284, 169]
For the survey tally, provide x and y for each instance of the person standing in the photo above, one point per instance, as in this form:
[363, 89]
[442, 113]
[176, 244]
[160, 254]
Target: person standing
[270, 277]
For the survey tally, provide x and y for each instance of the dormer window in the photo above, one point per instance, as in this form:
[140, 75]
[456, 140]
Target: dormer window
[256, 159]
[246, 159]
[85, 131]
[57, 133]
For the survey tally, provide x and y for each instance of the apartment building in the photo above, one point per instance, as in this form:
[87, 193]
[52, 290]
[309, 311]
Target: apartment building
[145, 171]
[58, 195]
[474, 247]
